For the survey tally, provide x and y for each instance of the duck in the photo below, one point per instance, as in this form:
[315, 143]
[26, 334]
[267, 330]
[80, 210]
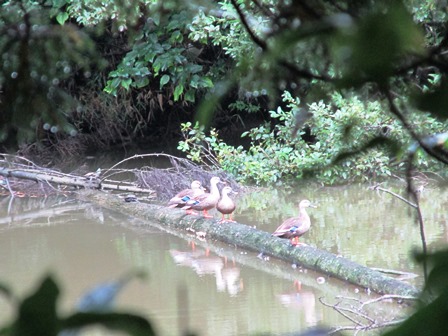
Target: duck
[295, 227]
[181, 198]
[205, 201]
[225, 205]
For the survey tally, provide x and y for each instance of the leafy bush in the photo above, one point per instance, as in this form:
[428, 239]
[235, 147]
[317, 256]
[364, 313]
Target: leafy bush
[345, 125]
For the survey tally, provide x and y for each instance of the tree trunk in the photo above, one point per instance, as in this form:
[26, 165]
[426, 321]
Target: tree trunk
[246, 237]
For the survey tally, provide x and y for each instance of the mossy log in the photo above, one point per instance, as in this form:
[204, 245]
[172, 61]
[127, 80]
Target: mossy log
[247, 237]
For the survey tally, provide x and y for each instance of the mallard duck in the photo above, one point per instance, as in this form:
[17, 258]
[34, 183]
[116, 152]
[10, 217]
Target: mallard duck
[295, 227]
[206, 201]
[226, 206]
[181, 198]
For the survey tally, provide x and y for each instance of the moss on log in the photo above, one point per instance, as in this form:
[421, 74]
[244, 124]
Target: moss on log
[247, 237]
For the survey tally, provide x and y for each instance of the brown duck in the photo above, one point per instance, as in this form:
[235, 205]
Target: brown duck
[181, 198]
[226, 206]
[295, 227]
[205, 201]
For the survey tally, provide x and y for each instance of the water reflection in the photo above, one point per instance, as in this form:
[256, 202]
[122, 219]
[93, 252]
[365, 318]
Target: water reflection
[226, 273]
[231, 292]
[303, 299]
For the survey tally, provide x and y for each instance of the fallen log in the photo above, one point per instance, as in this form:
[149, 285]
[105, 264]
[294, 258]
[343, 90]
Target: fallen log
[247, 237]
[54, 177]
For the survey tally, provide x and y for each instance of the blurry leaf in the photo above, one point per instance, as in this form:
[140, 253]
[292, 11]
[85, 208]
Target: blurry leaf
[102, 296]
[141, 82]
[208, 105]
[178, 91]
[5, 291]
[128, 323]
[61, 18]
[190, 96]
[429, 320]
[126, 83]
[37, 313]
[165, 79]
[372, 50]
[389, 144]
[434, 102]
[438, 271]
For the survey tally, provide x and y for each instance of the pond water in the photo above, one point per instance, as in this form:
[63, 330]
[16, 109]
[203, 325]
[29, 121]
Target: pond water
[225, 291]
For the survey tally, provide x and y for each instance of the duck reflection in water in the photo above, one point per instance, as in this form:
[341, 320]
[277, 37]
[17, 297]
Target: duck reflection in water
[203, 263]
[302, 299]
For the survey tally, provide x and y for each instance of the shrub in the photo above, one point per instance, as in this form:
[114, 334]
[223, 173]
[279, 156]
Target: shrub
[359, 135]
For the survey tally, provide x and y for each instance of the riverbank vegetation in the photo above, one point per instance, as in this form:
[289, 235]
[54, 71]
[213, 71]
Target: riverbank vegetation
[303, 85]
[344, 125]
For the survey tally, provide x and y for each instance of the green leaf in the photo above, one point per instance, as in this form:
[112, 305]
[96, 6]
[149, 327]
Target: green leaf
[190, 96]
[141, 82]
[61, 18]
[206, 82]
[178, 91]
[165, 79]
[126, 83]
[37, 313]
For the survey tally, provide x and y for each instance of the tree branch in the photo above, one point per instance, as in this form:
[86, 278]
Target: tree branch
[262, 44]
[395, 111]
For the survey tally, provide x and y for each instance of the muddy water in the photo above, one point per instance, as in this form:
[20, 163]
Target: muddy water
[233, 293]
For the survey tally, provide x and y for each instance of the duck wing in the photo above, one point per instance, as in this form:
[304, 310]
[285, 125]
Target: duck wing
[292, 226]
[184, 196]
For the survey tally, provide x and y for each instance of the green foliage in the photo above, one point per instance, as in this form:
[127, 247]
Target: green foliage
[358, 135]
[223, 28]
[160, 54]
[38, 55]
[121, 14]
[372, 48]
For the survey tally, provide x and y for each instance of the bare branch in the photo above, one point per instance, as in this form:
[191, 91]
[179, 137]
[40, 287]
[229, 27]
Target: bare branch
[377, 187]
[388, 297]
[361, 321]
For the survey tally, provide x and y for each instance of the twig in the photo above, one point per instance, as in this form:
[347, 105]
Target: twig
[388, 297]
[8, 186]
[377, 187]
[343, 311]
[358, 325]
[402, 275]
[139, 156]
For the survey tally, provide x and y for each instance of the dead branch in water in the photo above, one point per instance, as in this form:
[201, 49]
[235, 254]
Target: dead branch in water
[354, 311]
[164, 182]
[177, 176]
[22, 177]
